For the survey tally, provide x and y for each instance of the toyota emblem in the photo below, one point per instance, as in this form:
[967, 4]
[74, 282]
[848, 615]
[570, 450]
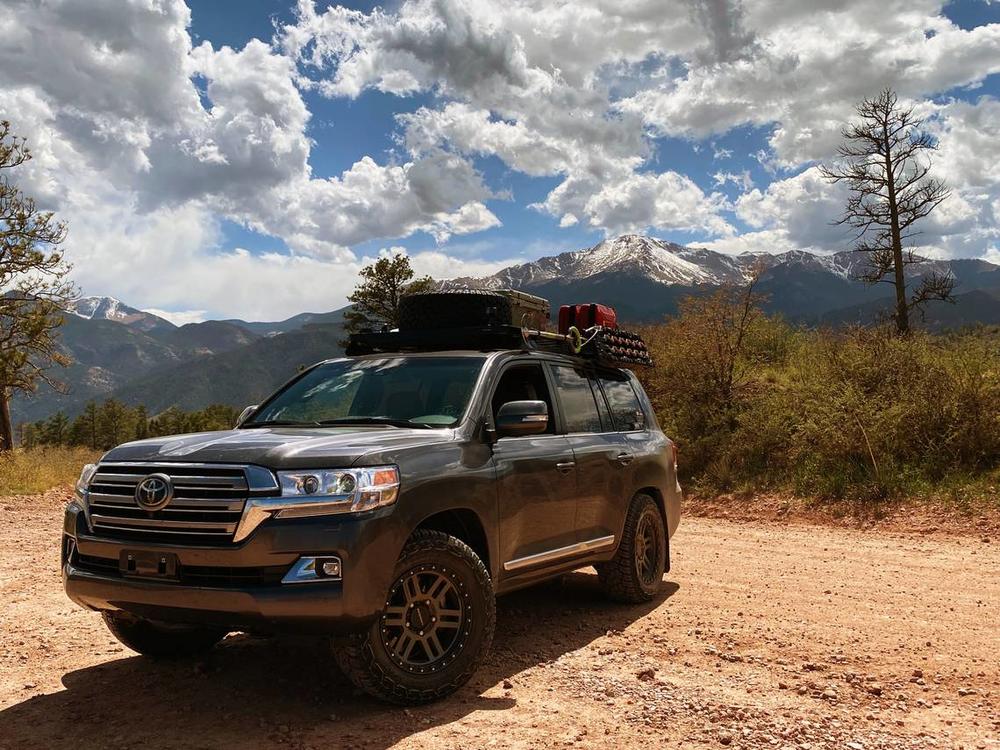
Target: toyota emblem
[154, 492]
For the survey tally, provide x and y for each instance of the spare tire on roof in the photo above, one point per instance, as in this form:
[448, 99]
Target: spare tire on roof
[459, 308]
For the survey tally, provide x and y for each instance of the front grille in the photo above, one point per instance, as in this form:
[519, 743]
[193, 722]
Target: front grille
[205, 509]
[209, 576]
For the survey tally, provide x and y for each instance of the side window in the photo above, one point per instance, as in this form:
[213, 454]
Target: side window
[523, 383]
[577, 398]
[625, 407]
[607, 423]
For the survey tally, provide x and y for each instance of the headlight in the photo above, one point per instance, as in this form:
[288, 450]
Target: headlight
[337, 491]
[320, 492]
[85, 476]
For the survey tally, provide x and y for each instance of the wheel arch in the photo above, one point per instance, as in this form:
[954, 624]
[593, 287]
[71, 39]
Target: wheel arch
[464, 524]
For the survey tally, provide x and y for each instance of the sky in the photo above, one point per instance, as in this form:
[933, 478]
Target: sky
[244, 158]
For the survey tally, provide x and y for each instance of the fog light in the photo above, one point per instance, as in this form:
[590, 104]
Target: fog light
[311, 569]
[330, 567]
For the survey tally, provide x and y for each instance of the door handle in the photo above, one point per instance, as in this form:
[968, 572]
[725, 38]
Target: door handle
[624, 458]
[565, 466]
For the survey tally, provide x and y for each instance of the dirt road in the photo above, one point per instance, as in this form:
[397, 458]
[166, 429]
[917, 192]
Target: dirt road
[766, 636]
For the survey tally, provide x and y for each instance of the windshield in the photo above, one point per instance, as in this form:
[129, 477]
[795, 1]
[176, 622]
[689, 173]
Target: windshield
[398, 391]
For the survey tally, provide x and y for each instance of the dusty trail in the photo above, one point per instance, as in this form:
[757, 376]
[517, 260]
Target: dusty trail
[766, 636]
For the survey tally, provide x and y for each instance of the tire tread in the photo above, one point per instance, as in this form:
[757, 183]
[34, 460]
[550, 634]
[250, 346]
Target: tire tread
[357, 660]
[618, 576]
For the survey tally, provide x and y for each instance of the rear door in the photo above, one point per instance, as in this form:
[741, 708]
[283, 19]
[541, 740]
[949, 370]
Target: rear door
[536, 477]
[597, 450]
[630, 435]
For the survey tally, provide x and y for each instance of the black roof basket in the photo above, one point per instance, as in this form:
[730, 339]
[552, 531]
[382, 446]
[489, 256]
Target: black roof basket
[480, 338]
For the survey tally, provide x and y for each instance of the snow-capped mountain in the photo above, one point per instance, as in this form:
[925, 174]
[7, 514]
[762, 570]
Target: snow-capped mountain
[644, 277]
[665, 263]
[109, 308]
[655, 260]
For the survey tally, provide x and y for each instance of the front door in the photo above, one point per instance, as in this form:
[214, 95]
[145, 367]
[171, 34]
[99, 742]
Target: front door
[536, 479]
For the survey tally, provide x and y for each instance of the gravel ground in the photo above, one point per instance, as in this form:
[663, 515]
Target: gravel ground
[767, 635]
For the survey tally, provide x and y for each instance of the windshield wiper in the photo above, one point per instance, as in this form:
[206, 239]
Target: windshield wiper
[280, 423]
[374, 420]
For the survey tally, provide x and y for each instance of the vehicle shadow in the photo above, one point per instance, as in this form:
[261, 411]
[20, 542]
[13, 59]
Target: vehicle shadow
[254, 692]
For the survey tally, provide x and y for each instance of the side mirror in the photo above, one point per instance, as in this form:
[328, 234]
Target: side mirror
[518, 418]
[245, 414]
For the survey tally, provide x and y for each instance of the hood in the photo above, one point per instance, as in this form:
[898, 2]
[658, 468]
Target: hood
[280, 447]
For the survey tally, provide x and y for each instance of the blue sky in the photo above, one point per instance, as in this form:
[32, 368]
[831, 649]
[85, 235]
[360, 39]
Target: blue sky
[251, 156]
[347, 130]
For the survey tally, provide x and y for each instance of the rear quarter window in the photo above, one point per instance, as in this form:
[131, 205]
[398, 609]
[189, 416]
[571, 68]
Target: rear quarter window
[579, 408]
[626, 410]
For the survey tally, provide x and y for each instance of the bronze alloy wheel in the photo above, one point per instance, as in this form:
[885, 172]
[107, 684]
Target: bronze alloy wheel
[647, 550]
[436, 626]
[426, 619]
[634, 574]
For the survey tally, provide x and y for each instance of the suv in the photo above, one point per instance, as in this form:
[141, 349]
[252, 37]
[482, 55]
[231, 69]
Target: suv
[384, 500]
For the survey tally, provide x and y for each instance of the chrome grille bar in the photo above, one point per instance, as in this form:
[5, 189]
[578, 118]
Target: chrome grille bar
[181, 480]
[199, 503]
[206, 507]
[159, 523]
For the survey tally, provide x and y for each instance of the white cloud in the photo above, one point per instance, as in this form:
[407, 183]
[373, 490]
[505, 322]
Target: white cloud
[741, 180]
[115, 88]
[146, 143]
[811, 62]
[521, 89]
[635, 202]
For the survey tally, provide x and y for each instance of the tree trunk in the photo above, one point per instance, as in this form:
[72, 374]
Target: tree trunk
[902, 311]
[6, 428]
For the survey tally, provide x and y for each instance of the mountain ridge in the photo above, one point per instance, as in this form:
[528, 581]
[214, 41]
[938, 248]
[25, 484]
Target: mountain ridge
[124, 352]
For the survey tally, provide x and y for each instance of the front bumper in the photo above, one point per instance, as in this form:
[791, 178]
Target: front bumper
[366, 547]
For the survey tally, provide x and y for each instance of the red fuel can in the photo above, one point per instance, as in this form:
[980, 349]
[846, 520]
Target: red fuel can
[586, 316]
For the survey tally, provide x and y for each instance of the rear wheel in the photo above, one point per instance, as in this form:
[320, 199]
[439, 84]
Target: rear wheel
[634, 574]
[161, 640]
[435, 629]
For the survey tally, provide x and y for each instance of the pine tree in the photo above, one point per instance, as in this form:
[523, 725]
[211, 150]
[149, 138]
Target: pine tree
[33, 287]
[375, 300]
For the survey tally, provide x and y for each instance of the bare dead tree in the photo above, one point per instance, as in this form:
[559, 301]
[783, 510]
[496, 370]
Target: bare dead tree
[886, 166]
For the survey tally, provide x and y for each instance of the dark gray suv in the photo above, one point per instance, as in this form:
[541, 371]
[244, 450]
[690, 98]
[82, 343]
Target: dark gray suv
[385, 500]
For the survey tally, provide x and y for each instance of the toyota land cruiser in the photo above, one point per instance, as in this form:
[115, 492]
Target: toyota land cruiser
[385, 500]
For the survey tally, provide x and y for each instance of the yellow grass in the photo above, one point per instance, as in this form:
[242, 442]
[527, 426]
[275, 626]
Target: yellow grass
[27, 472]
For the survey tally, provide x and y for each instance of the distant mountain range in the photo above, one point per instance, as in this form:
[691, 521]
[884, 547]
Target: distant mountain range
[122, 352]
[644, 278]
[139, 357]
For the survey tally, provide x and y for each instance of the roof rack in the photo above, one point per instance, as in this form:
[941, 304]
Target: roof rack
[480, 338]
[611, 347]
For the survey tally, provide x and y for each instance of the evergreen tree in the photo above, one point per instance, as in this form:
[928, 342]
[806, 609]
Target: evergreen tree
[33, 287]
[375, 300]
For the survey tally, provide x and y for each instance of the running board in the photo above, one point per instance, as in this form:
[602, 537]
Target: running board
[592, 545]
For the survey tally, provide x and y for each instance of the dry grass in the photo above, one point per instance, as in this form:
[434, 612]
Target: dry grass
[25, 472]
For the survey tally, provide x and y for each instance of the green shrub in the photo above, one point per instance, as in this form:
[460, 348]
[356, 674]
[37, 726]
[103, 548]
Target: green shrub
[860, 414]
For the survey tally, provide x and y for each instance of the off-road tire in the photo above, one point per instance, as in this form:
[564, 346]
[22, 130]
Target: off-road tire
[365, 659]
[620, 577]
[454, 309]
[161, 640]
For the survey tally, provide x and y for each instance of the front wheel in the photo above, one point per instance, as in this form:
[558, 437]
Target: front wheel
[161, 640]
[435, 629]
[634, 574]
